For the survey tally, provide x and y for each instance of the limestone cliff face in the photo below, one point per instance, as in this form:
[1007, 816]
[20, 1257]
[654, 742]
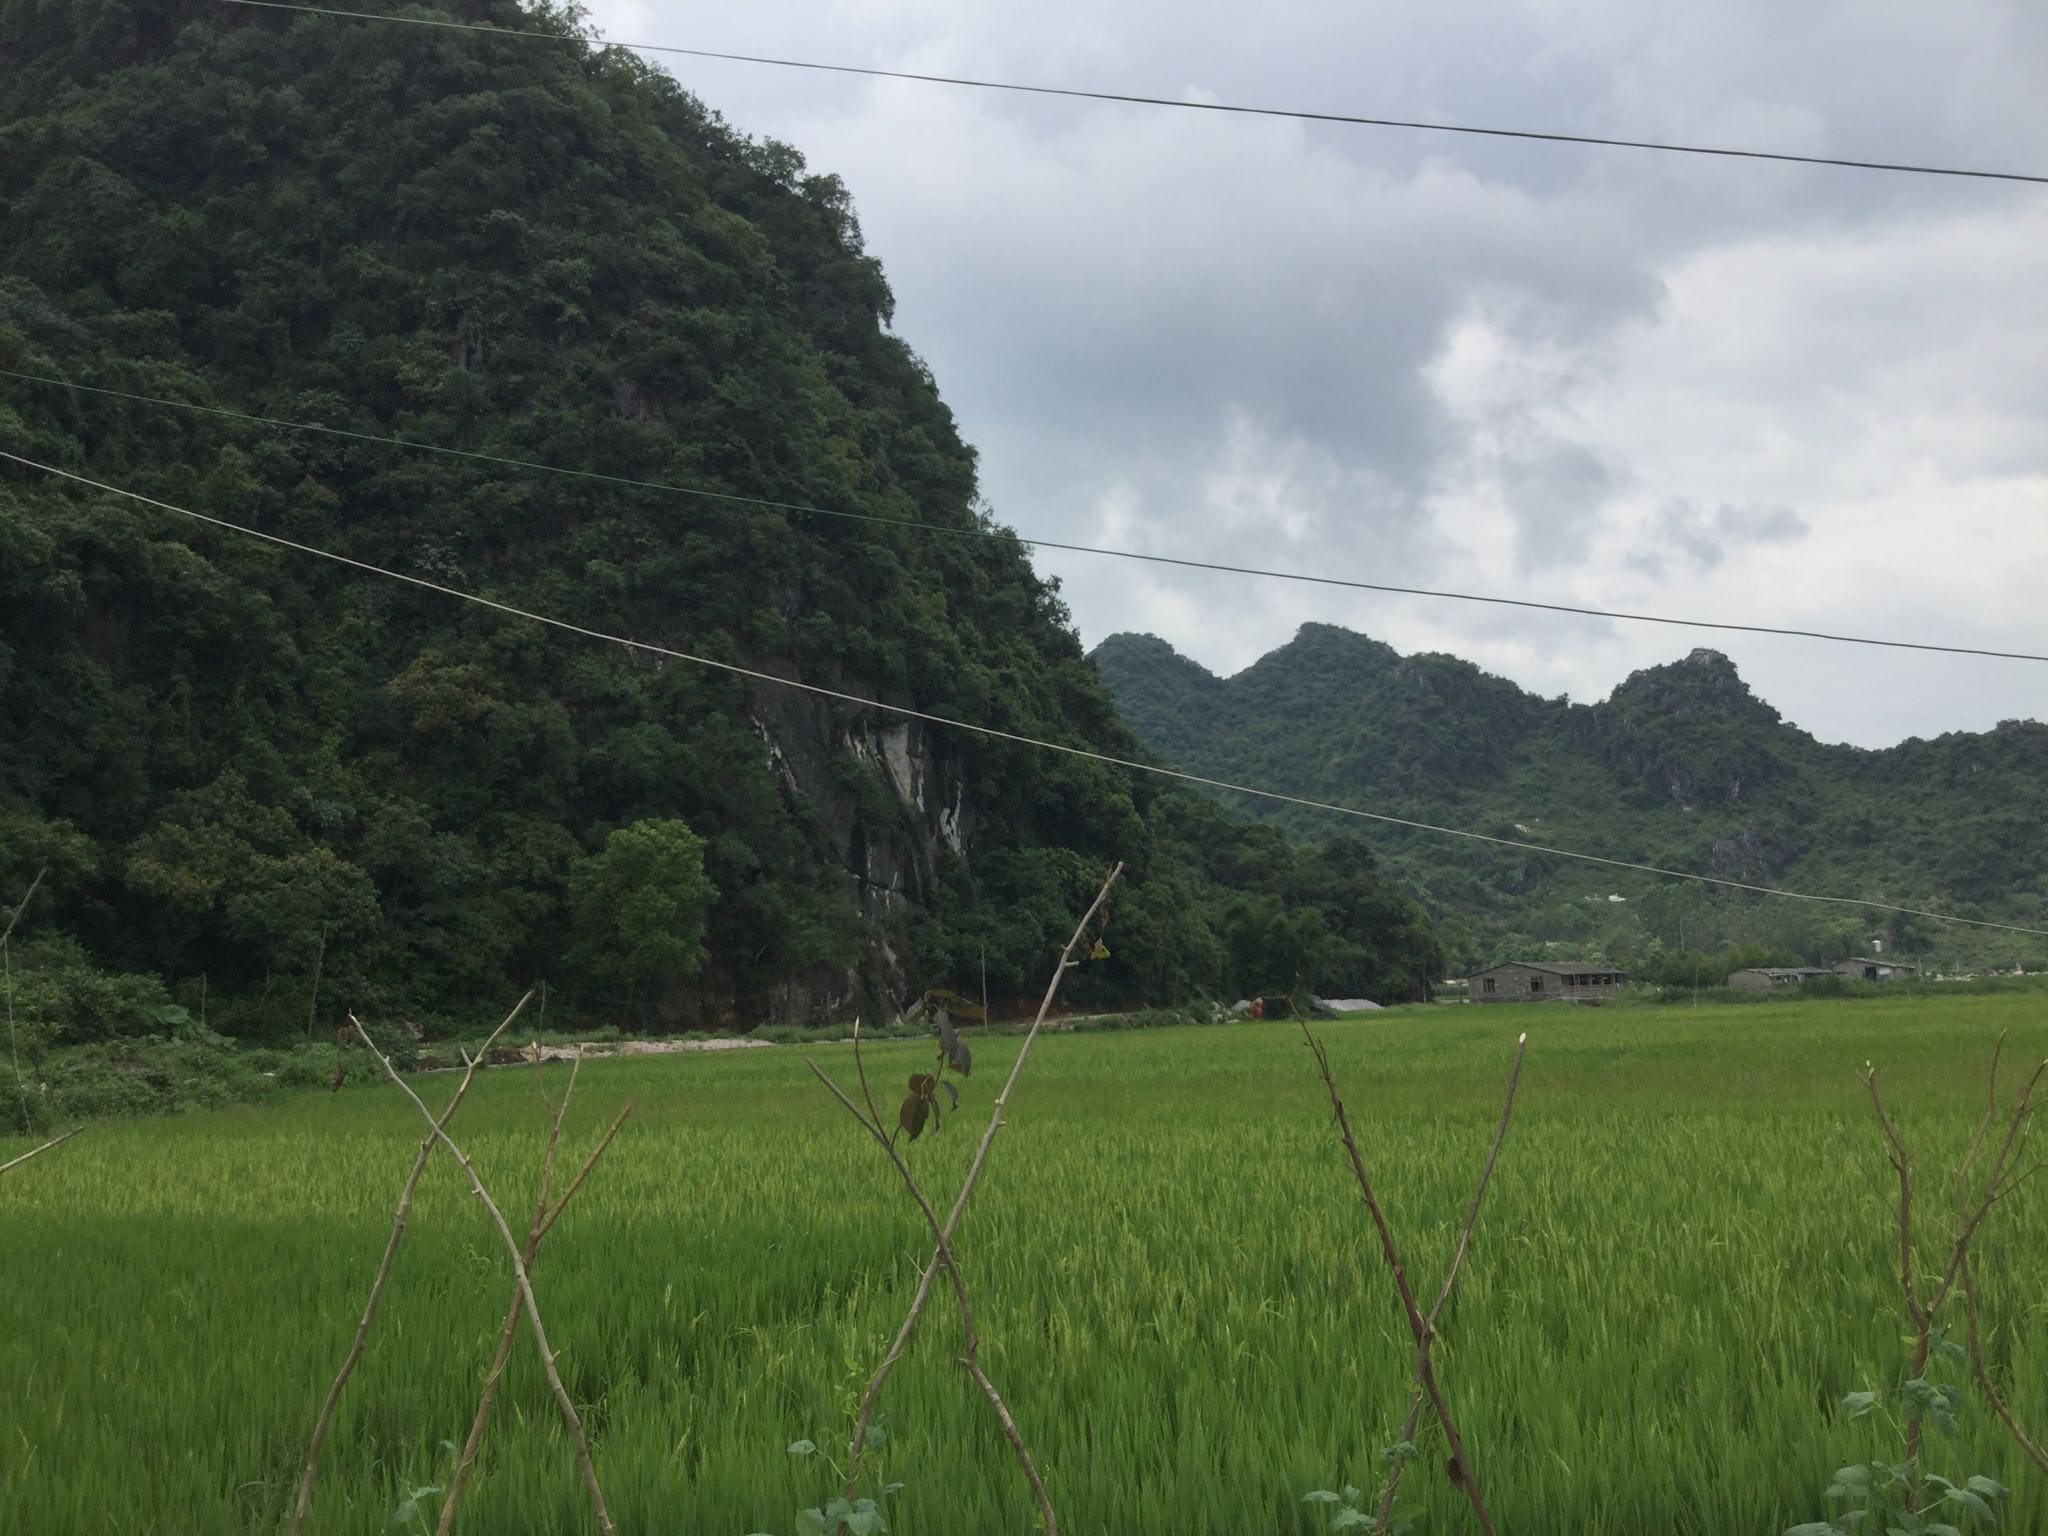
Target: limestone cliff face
[887, 805]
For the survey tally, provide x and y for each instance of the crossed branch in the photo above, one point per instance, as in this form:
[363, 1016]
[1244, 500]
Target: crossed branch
[1420, 1326]
[571, 1420]
[942, 1233]
[304, 1506]
[545, 1215]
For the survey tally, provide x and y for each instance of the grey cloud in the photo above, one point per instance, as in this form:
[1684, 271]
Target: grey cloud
[1227, 329]
[1700, 539]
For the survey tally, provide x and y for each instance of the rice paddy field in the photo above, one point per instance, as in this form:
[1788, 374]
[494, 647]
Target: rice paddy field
[1676, 1279]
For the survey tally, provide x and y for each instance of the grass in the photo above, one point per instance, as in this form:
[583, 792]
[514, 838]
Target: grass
[1675, 1281]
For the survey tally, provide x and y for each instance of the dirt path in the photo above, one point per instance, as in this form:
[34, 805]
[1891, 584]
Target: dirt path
[639, 1048]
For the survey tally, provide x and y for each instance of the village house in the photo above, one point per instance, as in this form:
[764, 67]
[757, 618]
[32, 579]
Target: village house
[1544, 981]
[1875, 970]
[1764, 978]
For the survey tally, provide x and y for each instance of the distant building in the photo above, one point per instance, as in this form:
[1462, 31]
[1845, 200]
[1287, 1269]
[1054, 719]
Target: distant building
[1875, 970]
[1542, 981]
[1765, 977]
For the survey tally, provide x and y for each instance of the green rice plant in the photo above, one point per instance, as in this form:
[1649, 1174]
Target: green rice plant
[1660, 1314]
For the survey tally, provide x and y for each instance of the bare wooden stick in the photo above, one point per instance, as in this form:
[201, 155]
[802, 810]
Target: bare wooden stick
[872, 1124]
[57, 1142]
[988, 1136]
[21, 906]
[7, 975]
[570, 1418]
[2034, 1452]
[509, 1330]
[1460, 1468]
[1920, 1316]
[304, 1505]
[1016, 1439]
[547, 1160]
[1993, 1192]
[544, 1217]
[1443, 1295]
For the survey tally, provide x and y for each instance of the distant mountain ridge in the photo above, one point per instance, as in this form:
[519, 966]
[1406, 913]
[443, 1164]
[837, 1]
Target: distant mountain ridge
[1682, 766]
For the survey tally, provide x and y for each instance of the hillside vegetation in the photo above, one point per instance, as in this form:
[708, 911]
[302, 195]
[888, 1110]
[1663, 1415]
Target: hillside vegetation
[1682, 767]
[267, 787]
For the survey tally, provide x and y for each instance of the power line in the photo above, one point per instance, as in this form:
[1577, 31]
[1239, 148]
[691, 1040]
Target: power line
[1346, 118]
[994, 732]
[762, 503]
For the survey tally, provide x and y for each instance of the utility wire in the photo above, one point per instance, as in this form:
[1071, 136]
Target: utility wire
[996, 534]
[1347, 118]
[993, 732]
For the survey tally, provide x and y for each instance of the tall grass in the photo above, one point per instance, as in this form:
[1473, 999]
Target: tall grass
[1673, 1285]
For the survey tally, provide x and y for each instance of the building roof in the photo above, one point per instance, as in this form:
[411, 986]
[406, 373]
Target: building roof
[1781, 972]
[1555, 968]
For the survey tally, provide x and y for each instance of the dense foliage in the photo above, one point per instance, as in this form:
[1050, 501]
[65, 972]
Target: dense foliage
[1682, 768]
[262, 774]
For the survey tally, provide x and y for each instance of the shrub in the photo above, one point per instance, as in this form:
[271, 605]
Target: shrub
[64, 999]
[148, 1077]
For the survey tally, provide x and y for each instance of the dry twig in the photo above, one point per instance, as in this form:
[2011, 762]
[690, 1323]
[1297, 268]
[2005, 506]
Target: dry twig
[2034, 1452]
[1443, 1295]
[942, 1251]
[1460, 1468]
[544, 1218]
[355, 1351]
[570, 1418]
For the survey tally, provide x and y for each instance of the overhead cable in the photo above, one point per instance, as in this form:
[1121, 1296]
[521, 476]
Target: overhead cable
[979, 531]
[1130, 99]
[995, 733]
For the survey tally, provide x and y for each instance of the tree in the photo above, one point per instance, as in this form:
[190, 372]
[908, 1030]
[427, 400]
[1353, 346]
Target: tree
[638, 909]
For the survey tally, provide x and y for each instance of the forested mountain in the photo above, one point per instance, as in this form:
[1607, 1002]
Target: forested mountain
[247, 768]
[1682, 767]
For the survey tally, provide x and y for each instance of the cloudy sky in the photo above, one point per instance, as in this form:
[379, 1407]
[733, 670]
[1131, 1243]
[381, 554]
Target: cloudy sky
[1707, 388]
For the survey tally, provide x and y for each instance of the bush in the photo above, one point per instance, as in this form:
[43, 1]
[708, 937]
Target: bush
[147, 1077]
[310, 1066]
[61, 998]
